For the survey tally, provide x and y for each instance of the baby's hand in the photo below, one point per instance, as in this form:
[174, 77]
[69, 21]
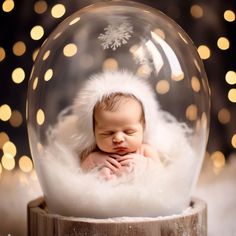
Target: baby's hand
[126, 162]
[132, 162]
[100, 160]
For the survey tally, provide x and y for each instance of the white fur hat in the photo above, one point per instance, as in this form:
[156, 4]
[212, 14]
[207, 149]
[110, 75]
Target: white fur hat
[103, 84]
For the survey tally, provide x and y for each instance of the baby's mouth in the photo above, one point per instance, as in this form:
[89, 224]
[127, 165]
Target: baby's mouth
[120, 149]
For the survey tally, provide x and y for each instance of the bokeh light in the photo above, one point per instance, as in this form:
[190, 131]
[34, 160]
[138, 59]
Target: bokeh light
[70, 50]
[191, 112]
[16, 119]
[230, 77]
[162, 87]
[58, 10]
[40, 7]
[218, 159]
[3, 139]
[110, 64]
[229, 15]
[204, 52]
[232, 95]
[8, 5]
[223, 43]
[35, 53]
[5, 112]
[196, 11]
[19, 48]
[18, 75]
[224, 116]
[8, 163]
[9, 149]
[25, 164]
[37, 32]
[48, 75]
[233, 141]
[46, 55]
[35, 84]
[196, 86]
[40, 117]
[2, 54]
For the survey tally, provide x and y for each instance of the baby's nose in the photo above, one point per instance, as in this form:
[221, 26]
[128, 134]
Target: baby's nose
[118, 138]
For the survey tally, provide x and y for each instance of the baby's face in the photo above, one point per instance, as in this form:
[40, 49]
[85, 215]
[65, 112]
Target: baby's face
[119, 131]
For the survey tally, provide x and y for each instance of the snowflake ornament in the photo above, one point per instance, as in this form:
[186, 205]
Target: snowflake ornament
[116, 35]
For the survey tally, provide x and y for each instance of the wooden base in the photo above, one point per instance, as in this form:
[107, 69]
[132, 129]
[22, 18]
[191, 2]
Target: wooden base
[193, 222]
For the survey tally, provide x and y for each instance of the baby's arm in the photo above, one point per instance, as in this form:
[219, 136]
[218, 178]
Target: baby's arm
[148, 151]
[157, 156]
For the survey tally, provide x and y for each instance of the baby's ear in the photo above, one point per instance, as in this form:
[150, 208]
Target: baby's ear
[143, 122]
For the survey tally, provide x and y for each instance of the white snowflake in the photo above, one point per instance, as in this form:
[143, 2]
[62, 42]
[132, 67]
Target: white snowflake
[116, 35]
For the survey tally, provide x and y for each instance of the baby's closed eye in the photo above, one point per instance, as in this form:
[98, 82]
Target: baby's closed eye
[130, 131]
[107, 133]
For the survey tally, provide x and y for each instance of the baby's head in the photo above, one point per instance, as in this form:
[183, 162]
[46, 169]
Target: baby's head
[119, 123]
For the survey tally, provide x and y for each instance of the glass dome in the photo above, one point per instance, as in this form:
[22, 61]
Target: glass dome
[118, 40]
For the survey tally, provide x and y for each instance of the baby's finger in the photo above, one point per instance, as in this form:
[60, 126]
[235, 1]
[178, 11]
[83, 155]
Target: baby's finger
[114, 162]
[123, 158]
[116, 156]
[111, 167]
[126, 163]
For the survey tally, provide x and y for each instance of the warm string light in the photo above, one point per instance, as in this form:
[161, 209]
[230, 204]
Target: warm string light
[25, 164]
[40, 117]
[224, 116]
[8, 163]
[191, 112]
[8, 5]
[35, 53]
[229, 15]
[37, 32]
[110, 64]
[5, 112]
[3, 139]
[233, 141]
[230, 77]
[40, 7]
[9, 153]
[2, 54]
[218, 160]
[19, 48]
[58, 11]
[18, 75]
[223, 43]
[232, 95]
[48, 74]
[70, 50]
[162, 87]
[196, 11]
[16, 119]
[204, 52]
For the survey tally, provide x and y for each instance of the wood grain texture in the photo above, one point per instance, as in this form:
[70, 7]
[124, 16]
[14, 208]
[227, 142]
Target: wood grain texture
[191, 223]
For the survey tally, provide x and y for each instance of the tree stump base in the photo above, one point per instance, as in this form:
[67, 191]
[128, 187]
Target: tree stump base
[193, 222]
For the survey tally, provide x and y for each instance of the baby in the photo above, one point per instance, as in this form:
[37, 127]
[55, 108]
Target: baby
[118, 124]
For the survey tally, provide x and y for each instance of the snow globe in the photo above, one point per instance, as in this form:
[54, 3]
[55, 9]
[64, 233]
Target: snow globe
[118, 121]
